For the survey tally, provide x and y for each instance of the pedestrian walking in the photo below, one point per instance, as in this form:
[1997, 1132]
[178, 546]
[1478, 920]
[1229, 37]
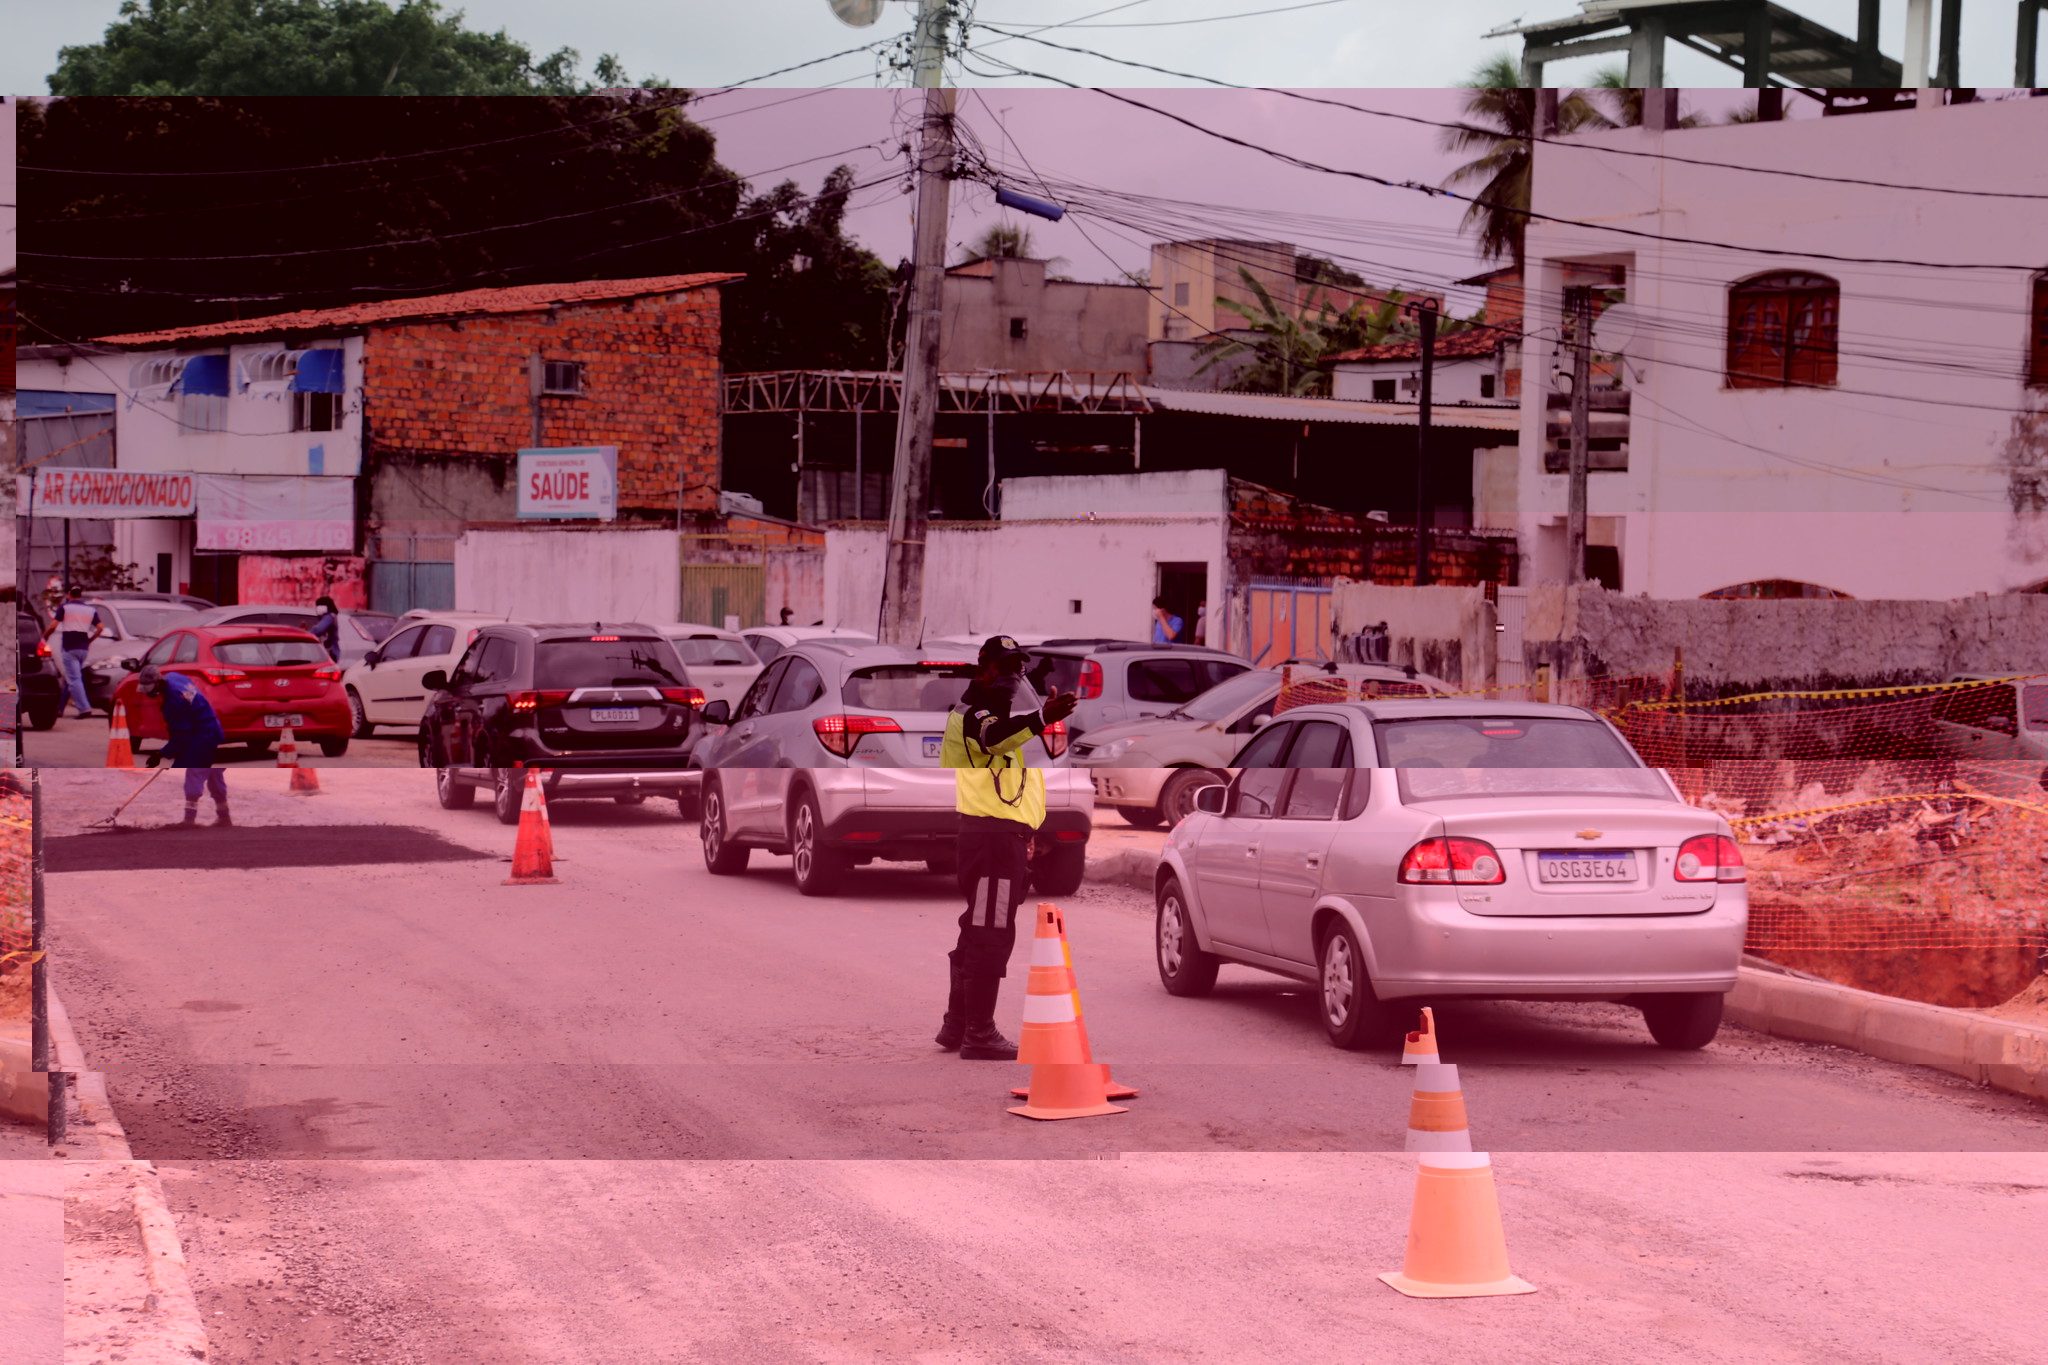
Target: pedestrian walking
[1166, 627]
[326, 627]
[1001, 801]
[77, 624]
[195, 735]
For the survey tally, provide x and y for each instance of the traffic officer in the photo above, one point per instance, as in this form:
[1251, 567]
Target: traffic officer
[195, 734]
[1001, 800]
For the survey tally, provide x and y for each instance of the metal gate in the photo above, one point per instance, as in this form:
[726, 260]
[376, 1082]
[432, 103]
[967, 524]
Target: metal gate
[1287, 620]
[1513, 609]
[712, 592]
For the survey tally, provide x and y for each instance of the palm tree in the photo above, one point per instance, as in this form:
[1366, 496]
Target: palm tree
[1002, 240]
[1294, 350]
[1500, 118]
[1620, 105]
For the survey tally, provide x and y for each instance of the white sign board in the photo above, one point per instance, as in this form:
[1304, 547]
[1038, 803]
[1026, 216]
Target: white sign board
[267, 513]
[576, 481]
[109, 494]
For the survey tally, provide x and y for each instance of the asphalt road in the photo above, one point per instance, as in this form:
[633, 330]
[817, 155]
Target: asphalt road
[73, 743]
[646, 1114]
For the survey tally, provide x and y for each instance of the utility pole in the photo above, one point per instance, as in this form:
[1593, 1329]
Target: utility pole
[1580, 300]
[1425, 314]
[902, 607]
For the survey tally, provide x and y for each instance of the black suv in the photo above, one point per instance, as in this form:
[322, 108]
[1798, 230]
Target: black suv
[40, 678]
[603, 709]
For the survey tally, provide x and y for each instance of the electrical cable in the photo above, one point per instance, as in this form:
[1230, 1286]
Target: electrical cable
[1179, 23]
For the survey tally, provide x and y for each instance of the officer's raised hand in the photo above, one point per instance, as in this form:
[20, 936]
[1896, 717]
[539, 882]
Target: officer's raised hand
[1060, 706]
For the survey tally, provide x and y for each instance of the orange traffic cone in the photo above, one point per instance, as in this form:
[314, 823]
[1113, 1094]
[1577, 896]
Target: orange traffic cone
[120, 748]
[1436, 1113]
[1065, 1084]
[305, 782]
[533, 857]
[1421, 1045]
[1456, 1249]
[1111, 1090]
[288, 750]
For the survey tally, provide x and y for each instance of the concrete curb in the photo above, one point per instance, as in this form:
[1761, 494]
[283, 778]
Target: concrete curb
[1989, 1051]
[94, 1133]
[1997, 1052]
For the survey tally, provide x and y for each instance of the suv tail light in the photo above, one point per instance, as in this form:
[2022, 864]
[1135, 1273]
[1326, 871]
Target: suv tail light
[42, 649]
[1444, 862]
[1710, 858]
[217, 676]
[1055, 737]
[839, 734]
[1091, 680]
[688, 696]
[533, 701]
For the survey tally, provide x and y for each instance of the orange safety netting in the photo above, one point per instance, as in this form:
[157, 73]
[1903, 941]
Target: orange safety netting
[15, 930]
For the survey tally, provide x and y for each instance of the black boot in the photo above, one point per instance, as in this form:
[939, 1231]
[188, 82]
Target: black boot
[982, 1041]
[955, 1023]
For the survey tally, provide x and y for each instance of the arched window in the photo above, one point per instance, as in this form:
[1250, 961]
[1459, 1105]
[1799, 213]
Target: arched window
[1781, 331]
[1774, 589]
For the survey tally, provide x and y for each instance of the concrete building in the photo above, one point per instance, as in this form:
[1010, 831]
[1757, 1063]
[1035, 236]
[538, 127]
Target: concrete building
[1002, 313]
[1187, 278]
[1897, 447]
[345, 449]
[1469, 367]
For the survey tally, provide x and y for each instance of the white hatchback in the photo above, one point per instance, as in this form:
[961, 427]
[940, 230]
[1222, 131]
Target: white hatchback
[386, 688]
[719, 661]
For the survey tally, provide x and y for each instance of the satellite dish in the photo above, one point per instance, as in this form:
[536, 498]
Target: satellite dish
[858, 13]
[1614, 331]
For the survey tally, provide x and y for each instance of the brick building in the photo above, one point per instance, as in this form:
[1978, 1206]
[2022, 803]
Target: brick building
[369, 436]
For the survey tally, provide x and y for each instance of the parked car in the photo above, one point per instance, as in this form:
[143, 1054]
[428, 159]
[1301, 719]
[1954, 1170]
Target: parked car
[2007, 718]
[387, 686]
[1125, 679]
[38, 676]
[361, 631]
[1151, 769]
[769, 641]
[720, 661]
[603, 709]
[260, 680]
[182, 599]
[1396, 851]
[133, 622]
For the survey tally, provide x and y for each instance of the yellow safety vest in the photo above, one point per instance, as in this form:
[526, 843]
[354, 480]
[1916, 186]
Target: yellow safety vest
[996, 782]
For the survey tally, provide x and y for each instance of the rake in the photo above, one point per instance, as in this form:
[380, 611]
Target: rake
[114, 819]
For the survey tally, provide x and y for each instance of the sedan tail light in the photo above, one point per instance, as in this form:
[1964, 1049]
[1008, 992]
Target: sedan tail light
[1444, 862]
[533, 701]
[688, 696]
[328, 673]
[1090, 685]
[42, 649]
[1055, 737]
[1710, 858]
[217, 676]
[840, 734]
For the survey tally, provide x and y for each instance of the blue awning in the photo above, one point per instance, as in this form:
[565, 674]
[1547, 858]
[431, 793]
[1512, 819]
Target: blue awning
[318, 372]
[205, 374]
[52, 403]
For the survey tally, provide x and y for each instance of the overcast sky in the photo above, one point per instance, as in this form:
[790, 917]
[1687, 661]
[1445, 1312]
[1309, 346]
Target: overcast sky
[1356, 43]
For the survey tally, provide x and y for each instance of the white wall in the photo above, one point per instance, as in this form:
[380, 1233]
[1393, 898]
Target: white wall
[1170, 493]
[1911, 478]
[611, 575]
[985, 577]
[1450, 381]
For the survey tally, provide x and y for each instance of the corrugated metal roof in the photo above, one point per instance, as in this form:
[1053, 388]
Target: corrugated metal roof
[1281, 408]
[524, 298]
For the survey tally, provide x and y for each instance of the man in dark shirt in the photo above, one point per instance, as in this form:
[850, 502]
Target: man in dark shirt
[195, 734]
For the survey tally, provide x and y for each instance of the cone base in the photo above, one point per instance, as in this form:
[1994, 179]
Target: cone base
[533, 881]
[1417, 1289]
[1111, 1090]
[1091, 1111]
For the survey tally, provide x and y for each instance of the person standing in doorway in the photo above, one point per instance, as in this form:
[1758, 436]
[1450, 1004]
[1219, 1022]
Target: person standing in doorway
[1001, 801]
[1166, 627]
[1201, 623]
[786, 614]
[195, 735]
[76, 625]
[326, 627]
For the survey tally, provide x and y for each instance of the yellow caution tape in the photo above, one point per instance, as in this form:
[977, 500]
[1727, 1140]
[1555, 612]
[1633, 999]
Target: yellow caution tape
[1781, 816]
[1836, 695]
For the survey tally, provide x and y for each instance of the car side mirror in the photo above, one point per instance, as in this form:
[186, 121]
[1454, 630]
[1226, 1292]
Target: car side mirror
[1209, 800]
[717, 712]
[132, 665]
[435, 680]
[1261, 722]
[372, 659]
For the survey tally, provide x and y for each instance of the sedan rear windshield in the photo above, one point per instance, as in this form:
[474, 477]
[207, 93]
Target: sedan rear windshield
[1448, 784]
[270, 653]
[628, 661]
[907, 687]
[710, 651]
[1501, 742]
[372, 625]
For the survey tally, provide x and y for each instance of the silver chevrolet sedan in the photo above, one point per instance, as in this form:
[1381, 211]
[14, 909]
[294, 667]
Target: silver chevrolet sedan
[1403, 851]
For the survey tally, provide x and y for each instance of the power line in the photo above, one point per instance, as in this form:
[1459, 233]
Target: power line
[1178, 23]
[1551, 141]
[785, 70]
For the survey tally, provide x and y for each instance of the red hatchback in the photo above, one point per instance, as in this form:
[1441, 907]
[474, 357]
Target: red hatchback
[260, 680]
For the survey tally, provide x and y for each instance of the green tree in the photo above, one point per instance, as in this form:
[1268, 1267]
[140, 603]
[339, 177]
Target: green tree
[1617, 104]
[813, 298]
[1002, 241]
[1500, 115]
[1292, 351]
[312, 47]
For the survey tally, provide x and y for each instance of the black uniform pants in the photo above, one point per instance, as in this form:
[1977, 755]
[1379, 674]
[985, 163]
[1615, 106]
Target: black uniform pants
[995, 863]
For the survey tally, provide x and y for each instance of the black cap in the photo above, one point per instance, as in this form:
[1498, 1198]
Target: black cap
[1001, 647]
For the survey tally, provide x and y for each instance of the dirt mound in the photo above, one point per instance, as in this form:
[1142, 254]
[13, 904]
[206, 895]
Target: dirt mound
[2030, 1006]
[15, 980]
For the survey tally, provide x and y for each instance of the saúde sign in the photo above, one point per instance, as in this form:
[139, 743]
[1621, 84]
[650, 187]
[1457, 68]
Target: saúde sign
[105, 493]
[575, 481]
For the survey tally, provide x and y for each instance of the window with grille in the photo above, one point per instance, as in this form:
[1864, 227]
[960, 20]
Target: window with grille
[316, 412]
[2037, 332]
[561, 376]
[1781, 331]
